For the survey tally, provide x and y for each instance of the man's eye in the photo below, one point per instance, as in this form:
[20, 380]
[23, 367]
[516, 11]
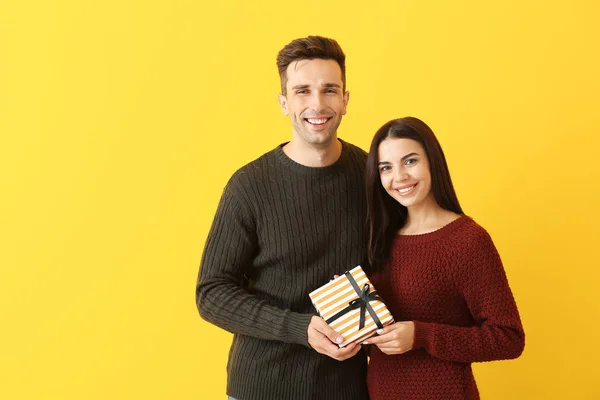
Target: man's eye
[303, 91]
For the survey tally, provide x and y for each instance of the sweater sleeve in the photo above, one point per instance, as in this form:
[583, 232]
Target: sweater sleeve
[220, 296]
[497, 332]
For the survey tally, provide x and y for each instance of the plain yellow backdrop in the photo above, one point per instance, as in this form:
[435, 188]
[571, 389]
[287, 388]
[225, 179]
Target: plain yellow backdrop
[121, 122]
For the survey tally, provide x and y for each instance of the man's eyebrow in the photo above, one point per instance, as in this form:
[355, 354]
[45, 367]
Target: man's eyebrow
[300, 87]
[331, 85]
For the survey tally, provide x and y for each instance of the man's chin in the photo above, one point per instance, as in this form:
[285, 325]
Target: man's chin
[321, 140]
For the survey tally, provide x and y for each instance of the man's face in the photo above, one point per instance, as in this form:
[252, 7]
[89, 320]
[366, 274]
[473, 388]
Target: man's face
[315, 100]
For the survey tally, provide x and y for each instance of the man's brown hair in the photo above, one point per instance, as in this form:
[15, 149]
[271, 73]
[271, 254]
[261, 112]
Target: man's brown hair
[309, 48]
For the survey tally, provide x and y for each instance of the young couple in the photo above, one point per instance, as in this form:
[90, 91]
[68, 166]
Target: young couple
[290, 220]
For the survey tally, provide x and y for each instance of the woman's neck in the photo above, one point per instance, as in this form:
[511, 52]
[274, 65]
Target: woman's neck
[426, 217]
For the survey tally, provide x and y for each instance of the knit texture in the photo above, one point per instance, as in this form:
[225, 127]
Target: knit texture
[282, 230]
[452, 284]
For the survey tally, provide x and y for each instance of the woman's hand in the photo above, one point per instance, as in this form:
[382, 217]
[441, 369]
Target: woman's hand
[396, 338]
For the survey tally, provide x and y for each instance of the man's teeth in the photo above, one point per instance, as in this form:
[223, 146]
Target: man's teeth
[317, 121]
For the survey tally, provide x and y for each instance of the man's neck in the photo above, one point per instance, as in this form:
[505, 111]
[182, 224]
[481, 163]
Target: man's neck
[311, 155]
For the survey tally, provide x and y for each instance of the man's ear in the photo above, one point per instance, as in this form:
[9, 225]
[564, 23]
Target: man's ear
[283, 104]
[346, 98]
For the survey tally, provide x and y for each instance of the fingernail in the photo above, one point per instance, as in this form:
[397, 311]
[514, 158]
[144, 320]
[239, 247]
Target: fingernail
[365, 342]
[379, 331]
[339, 339]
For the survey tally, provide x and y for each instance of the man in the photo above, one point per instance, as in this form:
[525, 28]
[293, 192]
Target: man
[286, 223]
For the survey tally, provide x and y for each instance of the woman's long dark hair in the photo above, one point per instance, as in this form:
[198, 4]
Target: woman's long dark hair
[384, 214]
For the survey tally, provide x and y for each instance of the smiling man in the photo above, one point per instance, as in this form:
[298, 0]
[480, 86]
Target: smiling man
[286, 223]
[315, 102]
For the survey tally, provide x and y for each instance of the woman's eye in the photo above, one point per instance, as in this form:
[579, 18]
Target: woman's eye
[410, 161]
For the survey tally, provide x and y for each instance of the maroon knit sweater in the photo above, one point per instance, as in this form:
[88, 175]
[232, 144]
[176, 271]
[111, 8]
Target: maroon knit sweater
[451, 283]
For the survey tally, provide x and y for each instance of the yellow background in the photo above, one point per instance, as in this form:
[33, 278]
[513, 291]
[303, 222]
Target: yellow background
[121, 122]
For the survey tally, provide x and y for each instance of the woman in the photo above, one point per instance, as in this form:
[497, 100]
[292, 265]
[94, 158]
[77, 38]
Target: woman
[438, 271]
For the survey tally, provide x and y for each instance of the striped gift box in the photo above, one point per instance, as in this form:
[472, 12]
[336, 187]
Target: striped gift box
[347, 300]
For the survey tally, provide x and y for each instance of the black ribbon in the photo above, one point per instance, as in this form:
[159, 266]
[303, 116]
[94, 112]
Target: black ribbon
[363, 301]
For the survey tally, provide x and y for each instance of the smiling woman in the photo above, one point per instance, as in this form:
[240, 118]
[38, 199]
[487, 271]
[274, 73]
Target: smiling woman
[438, 270]
[407, 162]
[406, 175]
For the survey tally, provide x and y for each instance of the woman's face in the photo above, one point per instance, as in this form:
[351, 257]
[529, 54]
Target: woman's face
[404, 171]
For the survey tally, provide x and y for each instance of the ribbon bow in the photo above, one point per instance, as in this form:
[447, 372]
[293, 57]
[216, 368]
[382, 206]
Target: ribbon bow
[362, 302]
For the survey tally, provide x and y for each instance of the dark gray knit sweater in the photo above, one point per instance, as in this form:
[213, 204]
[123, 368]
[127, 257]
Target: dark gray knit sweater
[282, 230]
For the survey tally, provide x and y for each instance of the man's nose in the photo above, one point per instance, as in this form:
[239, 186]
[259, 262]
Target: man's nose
[317, 102]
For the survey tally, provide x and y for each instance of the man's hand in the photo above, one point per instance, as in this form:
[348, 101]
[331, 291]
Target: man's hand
[323, 339]
[397, 338]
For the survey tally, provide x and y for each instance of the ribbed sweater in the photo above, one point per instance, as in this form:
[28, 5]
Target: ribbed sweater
[452, 284]
[280, 231]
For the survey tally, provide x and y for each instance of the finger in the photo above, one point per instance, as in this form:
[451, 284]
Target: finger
[383, 332]
[379, 339]
[324, 346]
[336, 352]
[387, 351]
[343, 351]
[352, 354]
[322, 327]
[394, 326]
[392, 350]
[347, 352]
[348, 348]
[388, 329]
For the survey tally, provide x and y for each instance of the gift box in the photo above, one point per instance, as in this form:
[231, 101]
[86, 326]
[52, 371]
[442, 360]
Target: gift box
[350, 305]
